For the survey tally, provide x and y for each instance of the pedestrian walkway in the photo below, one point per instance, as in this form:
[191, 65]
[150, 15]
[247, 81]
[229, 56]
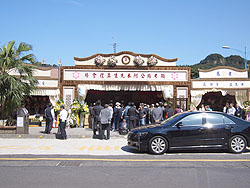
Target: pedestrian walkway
[72, 133]
[86, 146]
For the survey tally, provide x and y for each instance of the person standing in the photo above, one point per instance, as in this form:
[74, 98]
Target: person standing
[112, 113]
[177, 109]
[142, 116]
[49, 119]
[97, 109]
[53, 114]
[202, 108]
[146, 108]
[132, 116]
[170, 112]
[165, 111]
[22, 110]
[62, 119]
[105, 118]
[125, 112]
[238, 111]
[117, 116]
[157, 113]
[231, 109]
[225, 109]
[150, 115]
[91, 113]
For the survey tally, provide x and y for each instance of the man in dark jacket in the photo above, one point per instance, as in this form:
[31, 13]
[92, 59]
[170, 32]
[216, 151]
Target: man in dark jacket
[49, 119]
[170, 112]
[238, 111]
[132, 116]
[157, 113]
[117, 116]
[142, 116]
[96, 112]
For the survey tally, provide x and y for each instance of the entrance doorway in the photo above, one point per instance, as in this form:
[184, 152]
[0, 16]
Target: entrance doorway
[36, 104]
[216, 100]
[148, 97]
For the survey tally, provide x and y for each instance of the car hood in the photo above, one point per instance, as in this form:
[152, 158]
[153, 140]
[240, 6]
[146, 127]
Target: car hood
[148, 126]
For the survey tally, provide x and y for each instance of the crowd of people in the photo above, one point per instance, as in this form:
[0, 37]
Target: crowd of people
[231, 109]
[110, 117]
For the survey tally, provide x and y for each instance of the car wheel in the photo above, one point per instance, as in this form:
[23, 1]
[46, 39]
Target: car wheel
[237, 144]
[158, 145]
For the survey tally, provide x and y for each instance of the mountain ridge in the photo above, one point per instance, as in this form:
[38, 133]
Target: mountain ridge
[215, 60]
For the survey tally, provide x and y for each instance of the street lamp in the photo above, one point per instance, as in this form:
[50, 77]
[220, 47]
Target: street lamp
[59, 70]
[242, 52]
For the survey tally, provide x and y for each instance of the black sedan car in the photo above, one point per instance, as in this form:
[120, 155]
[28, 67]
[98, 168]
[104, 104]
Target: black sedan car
[190, 130]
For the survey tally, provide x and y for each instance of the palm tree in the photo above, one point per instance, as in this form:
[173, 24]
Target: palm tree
[14, 89]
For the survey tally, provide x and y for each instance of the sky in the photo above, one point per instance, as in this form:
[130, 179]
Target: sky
[188, 30]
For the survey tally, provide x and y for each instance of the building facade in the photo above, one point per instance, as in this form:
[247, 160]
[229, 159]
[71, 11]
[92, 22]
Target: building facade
[219, 85]
[125, 77]
[47, 89]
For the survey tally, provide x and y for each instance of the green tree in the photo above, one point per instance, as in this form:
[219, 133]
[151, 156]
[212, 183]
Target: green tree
[14, 89]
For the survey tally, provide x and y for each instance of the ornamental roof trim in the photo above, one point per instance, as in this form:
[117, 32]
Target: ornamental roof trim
[222, 67]
[126, 52]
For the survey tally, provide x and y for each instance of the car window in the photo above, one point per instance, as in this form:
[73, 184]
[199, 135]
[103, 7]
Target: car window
[192, 120]
[228, 121]
[214, 119]
[171, 118]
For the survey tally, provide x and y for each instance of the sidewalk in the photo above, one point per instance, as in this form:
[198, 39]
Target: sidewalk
[83, 146]
[72, 133]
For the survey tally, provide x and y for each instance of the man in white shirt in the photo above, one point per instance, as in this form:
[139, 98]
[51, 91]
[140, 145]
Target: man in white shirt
[63, 117]
[231, 110]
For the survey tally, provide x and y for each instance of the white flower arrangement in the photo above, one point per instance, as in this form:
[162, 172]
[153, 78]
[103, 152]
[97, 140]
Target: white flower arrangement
[152, 61]
[112, 61]
[99, 60]
[138, 61]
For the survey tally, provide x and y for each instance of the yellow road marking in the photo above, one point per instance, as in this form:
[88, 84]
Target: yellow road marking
[125, 160]
[91, 148]
[107, 148]
[117, 147]
[83, 148]
[99, 148]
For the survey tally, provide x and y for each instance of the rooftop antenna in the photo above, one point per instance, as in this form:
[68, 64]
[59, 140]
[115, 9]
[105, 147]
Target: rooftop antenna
[114, 45]
[43, 62]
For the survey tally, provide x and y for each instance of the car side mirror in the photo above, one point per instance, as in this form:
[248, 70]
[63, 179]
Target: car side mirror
[180, 124]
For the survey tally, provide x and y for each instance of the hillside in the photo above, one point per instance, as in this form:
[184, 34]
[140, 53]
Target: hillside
[215, 60]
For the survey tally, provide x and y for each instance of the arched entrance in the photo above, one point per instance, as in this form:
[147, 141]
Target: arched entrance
[148, 97]
[216, 100]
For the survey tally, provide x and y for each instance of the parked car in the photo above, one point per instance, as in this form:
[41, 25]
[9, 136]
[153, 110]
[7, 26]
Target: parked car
[192, 130]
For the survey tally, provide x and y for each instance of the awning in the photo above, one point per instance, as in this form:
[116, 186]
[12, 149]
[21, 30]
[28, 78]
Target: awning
[166, 89]
[123, 87]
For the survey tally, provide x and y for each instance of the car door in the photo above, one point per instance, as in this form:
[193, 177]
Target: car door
[217, 127]
[187, 131]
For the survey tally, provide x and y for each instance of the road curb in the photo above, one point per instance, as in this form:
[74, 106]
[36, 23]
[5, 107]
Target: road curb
[51, 136]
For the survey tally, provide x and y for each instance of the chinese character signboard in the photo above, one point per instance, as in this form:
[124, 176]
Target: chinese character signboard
[125, 75]
[221, 84]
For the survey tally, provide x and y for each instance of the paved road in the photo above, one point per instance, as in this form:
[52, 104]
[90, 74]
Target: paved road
[125, 171]
[42, 163]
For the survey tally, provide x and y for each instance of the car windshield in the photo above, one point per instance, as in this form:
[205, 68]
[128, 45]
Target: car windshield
[171, 118]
